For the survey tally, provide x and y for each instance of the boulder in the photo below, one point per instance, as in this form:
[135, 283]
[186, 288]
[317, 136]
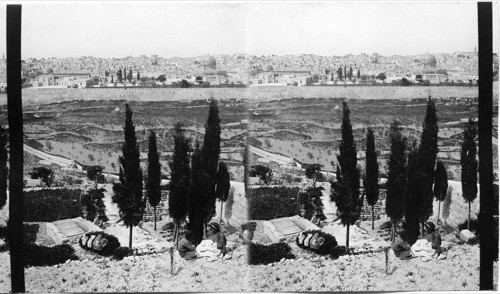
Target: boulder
[467, 236]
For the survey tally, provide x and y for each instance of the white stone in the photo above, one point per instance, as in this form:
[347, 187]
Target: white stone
[467, 235]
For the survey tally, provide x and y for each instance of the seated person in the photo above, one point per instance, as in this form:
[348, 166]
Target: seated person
[214, 234]
[400, 246]
[186, 247]
[434, 238]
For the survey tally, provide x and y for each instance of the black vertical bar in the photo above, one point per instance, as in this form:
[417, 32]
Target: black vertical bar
[15, 112]
[485, 19]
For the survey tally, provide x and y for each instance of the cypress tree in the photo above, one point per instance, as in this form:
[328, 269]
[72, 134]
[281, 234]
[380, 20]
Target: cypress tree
[229, 205]
[447, 203]
[427, 154]
[210, 159]
[412, 219]
[196, 195]
[153, 181]
[349, 202]
[469, 165]
[138, 76]
[223, 185]
[397, 178]
[440, 184]
[359, 74]
[372, 173]
[350, 73]
[129, 77]
[180, 178]
[4, 170]
[128, 192]
[119, 75]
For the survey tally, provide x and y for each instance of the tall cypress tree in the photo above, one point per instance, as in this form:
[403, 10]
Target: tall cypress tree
[469, 165]
[359, 74]
[138, 76]
[372, 173]
[223, 185]
[153, 181]
[412, 219]
[180, 178]
[196, 195]
[129, 77]
[4, 171]
[349, 202]
[397, 177]
[440, 184]
[427, 154]
[128, 192]
[210, 159]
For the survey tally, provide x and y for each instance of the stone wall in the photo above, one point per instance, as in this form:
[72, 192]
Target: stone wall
[41, 96]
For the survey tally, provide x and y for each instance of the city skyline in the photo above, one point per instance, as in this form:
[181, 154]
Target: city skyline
[110, 29]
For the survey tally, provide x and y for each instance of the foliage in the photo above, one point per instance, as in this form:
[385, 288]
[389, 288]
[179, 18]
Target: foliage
[179, 175]
[381, 76]
[196, 199]
[412, 219]
[469, 163]
[29, 231]
[153, 180]
[447, 203]
[128, 192]
[94, 173]
[4, 170]
[326, 245]
[311, 202]
[426, 160]
[46, 175]
[39, 255]
[92, 204]
[348, 201]
[161, 78]
[440, 183]
[265, 254]
[107, 247]
[51, 205]
[313, 172]
[397, 182]
[372, 174]
[263, 172]
[251, 226]
[121, 252]
[268, 203]
[228, 209]
[210, 153]
[223, 182]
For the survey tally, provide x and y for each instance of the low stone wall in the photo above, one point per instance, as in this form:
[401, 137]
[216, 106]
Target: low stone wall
[42, 96]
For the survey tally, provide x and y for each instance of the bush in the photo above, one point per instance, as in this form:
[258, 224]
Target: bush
[268, 203]
[99, 242]
[316, 241]
[38, 255]
[29, 231]
[121, 252]
[51, 205]
[249, 226]
[265, 254]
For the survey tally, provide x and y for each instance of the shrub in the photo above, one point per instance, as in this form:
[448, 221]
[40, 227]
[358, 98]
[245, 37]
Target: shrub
[99, 242]
[249, 226]
[51, 205]
[121, 252]
[268, 203]
[316, 241]
[265, 254]
[39, 255]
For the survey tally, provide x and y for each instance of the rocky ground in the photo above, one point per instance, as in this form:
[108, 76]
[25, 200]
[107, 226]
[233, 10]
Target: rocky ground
[154, 271]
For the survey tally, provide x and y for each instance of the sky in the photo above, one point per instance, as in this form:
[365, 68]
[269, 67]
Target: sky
[114, 29]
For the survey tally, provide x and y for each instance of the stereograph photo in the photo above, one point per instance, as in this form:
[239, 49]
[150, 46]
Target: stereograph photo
[246, 147]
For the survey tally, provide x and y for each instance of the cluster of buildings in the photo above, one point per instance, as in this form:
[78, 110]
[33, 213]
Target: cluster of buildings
[245, 69]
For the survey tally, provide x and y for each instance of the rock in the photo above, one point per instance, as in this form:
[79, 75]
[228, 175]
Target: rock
[467, 236]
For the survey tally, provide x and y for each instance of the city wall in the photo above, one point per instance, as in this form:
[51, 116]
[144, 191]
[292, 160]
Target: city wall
[42, 96]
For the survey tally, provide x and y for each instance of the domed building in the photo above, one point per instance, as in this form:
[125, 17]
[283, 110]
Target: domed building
[428, 60]
[209, 62]
[209, 71]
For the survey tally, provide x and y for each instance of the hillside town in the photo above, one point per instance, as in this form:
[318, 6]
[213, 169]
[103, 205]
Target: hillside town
[459, 68]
